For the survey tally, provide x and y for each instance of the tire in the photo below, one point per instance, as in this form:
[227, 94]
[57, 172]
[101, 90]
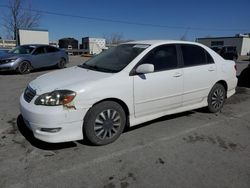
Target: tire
[104, 123]
[61, 63]
[216, 98]
[24, 67]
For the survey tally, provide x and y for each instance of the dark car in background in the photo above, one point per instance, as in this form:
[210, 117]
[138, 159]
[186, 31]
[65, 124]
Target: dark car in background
[24, 58]
[229, 52]
[216, 49]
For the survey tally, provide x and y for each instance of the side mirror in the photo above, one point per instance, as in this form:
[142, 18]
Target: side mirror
[145, 68]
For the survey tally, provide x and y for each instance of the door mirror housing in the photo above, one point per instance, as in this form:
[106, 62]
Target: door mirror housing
[145, 68]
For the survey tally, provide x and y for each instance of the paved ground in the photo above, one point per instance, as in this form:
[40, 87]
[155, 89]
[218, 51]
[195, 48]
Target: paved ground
[191, 149]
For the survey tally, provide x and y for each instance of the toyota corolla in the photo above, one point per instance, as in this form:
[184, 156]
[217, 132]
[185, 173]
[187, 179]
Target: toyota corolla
[124, 86]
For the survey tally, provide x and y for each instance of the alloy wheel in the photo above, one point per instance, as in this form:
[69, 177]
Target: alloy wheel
[218, 98]
[107, 124]
[24, 68]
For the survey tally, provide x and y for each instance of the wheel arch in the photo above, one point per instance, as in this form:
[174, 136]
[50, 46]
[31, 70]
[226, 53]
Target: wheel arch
[22, 60]
[224, 84]
[62, 57]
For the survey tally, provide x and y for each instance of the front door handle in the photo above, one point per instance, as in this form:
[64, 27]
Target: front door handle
[177, 74]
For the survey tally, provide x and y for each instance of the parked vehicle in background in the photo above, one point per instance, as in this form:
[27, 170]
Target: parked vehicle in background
[126, 85]
[216, 49]
[24, 58]
[70, 48]
[229, 52]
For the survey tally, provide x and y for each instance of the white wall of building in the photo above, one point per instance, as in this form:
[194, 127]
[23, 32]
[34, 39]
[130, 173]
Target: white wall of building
[33, 36]
[7, 43]
[245, 46]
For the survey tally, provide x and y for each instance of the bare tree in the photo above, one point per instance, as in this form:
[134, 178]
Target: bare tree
[184, 36]
[19, 17]
[113, 38]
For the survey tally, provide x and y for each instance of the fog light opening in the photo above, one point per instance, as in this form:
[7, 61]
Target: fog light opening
[51, 130]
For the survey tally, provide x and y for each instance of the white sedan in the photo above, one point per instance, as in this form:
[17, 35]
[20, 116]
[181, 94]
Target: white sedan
[124, 86]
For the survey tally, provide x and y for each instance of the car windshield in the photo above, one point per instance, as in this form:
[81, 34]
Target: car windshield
[115, 59]
[22, 50]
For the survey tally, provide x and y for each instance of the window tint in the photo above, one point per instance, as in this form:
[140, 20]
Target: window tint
[209, 58]
[193, 55]
[51, 49]
[162, 57]
[39, 50]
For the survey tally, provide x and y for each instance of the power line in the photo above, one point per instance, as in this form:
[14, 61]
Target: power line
[127, 22]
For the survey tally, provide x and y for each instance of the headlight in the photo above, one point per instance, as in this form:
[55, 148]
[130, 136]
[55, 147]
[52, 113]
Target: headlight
[8, 60]
[55, 98]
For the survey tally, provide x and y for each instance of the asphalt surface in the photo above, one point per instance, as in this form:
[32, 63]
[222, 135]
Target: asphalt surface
[191, 149]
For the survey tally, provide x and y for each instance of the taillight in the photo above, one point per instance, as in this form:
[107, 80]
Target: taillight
[235, 67]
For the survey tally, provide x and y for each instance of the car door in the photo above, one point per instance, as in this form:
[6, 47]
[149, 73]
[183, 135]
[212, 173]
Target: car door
[39, 57]
[199, 74]
[161, 90]
[53, 55]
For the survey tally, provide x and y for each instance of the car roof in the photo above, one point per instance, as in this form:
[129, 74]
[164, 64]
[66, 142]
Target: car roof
[35, 45]
[158, 42]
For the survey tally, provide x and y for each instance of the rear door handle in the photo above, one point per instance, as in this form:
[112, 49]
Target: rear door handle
[177, 74]
[211, 69]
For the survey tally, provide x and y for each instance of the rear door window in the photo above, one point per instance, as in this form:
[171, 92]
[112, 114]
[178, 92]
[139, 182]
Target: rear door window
[51, 49]
[39, 50]
[193, 55]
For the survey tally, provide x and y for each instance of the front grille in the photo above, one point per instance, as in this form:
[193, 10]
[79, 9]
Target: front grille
[29, 94]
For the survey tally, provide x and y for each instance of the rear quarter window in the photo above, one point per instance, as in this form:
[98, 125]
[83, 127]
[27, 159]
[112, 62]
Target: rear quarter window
[51, 49]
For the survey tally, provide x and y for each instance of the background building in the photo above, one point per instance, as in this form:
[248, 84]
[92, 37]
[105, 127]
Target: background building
[68, 43]
[8, 44]
[240, 41]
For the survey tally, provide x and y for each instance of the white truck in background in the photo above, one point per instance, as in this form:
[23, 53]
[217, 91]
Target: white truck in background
[33, 36]
[94, 46]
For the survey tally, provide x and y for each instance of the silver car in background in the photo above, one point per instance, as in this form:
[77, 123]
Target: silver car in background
[24, 58]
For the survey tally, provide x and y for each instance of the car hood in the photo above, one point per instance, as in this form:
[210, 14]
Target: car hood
[65, 79]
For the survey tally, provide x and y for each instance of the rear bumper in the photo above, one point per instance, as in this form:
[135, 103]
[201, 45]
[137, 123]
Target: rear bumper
[40, 119]
[232, 84]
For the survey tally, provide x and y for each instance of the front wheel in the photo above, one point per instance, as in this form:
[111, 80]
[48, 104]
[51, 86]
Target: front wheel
[104, 123]
[216, 98]
[24, 67]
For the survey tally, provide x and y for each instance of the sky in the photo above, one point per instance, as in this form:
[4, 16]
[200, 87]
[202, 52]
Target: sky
[192, 18]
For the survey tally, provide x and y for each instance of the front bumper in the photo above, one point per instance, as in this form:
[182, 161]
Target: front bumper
[8, 66]
[39, 118]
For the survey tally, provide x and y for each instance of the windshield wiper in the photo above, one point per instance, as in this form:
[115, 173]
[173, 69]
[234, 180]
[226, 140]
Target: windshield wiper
[96, 68]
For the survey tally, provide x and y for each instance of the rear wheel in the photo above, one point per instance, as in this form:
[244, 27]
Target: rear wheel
[24, 67]
[216, 98]
[104, 123]
[61, 63]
